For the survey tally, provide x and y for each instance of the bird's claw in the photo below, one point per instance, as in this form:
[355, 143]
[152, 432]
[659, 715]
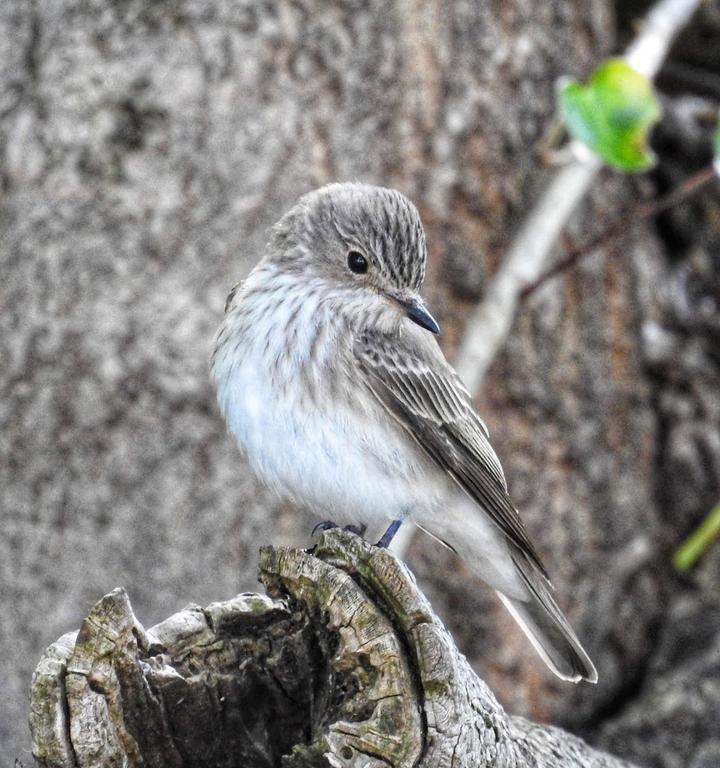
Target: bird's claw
[358, 530]
[325, 525]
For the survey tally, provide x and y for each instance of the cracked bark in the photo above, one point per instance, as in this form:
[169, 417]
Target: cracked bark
[344, 663]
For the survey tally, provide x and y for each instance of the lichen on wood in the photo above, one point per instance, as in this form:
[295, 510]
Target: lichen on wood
[343, 664]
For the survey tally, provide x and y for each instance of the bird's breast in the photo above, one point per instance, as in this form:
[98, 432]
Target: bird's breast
[294, 400]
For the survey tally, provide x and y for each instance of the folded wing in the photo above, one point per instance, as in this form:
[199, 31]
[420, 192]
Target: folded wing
[410, 377]
[417, 386]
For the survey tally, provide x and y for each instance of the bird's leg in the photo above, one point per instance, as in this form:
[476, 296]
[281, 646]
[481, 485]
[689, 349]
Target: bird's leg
[325, 525]
[389, 535]
[358, 530]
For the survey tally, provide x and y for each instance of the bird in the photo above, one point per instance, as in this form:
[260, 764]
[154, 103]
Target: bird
[331, 380]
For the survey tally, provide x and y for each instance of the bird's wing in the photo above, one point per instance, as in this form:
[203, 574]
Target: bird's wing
[412, 379]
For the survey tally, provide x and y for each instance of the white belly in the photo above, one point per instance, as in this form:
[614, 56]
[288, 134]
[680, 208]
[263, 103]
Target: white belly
[343, 458]
[334, 459]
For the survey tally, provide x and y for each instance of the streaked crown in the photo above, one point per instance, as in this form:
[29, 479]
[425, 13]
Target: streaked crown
[380, 223]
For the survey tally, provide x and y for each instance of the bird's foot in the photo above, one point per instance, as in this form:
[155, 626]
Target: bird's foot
[358, 530]
[389, 535]
[325, 525]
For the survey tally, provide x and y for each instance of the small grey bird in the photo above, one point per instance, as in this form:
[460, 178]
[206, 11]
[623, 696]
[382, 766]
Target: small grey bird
[331, 381]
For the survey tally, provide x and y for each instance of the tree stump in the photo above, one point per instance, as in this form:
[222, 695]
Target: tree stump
[343, 664]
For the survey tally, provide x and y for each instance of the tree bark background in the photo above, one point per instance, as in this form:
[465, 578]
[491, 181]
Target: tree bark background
[146, 148]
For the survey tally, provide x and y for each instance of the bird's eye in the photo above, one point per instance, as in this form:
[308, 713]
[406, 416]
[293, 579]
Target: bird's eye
[357, 263]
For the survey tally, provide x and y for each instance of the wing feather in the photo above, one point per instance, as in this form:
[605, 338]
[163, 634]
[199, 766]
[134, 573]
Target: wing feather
[412, 379]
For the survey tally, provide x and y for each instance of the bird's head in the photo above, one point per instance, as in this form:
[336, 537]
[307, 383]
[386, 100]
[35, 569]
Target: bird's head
[365, 243]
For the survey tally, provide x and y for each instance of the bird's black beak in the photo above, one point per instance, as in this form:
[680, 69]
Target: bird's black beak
[416, 311]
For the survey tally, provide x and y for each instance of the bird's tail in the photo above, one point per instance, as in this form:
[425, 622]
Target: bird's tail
[521, 587]
[547, 628]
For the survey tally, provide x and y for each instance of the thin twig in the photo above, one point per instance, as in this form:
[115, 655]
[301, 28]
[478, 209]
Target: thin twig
[688, 553]
[623, 225]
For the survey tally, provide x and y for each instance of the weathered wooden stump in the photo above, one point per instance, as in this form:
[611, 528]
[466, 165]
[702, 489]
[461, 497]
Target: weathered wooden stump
[344, 663]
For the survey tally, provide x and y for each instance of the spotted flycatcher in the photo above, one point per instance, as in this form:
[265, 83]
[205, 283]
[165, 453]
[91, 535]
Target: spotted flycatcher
[331, 380]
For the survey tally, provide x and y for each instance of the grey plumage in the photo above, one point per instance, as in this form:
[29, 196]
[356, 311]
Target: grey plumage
[343, 403]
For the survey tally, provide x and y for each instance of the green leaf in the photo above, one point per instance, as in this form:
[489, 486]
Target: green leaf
[698, 541]
[613, 114]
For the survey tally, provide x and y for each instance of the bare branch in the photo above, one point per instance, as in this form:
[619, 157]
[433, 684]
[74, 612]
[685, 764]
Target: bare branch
[624, 224]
